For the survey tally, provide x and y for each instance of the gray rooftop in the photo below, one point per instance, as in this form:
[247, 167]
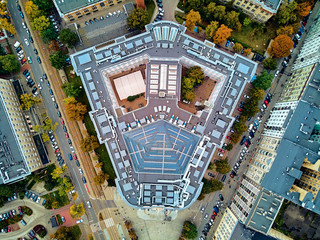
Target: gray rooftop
[295, 146]
[67, 6]
[264, 211]
[12, 161]
[163, 49]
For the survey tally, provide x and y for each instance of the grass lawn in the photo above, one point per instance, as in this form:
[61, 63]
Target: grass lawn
[180, 17]
[150, 6]
[256, 40]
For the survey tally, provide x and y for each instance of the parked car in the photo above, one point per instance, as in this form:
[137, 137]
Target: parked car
[221, 197]
[70, 156]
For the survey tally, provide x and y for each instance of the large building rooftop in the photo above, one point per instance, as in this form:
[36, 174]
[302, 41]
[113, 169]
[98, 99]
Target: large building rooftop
[160, 151]
[296, 148]
[12, 162]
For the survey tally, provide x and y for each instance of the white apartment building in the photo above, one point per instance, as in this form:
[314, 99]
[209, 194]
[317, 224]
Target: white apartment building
[226, 225]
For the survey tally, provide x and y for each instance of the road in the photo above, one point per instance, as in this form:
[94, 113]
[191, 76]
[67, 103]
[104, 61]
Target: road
[52, 111]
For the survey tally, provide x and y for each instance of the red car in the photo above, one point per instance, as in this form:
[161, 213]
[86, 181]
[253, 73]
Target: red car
[23, 61]
[213, 217]
[67, 135]
[228, 137]
[20, 209]
[9, 229]
[61, 120]
[240, 109]
[231, 175]
[57, 150]
[220, 150]
[75, 156]
[214, 213]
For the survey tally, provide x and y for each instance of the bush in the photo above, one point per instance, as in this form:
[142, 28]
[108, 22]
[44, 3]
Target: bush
[21, 195]
[27, 210]
[132, 98]
[43, 233]
[59, 219]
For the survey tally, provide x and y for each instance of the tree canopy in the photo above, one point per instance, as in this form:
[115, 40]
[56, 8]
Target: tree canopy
[72, 89]
[138, 19]
[212, 185]
[40, 23]
[66, 233]
[211, 29]
[231, 19]
[247, 52]
[286, 14]
[237, 47]
[220, 12]
[44, 5]
[28, 100]
[32, 10]
[9, 63]
[75, 110]
[280, 46]
[68, 37]
[100, 178]
[263, 81]
[189, 230]
[58, 60]
[49, 34]
[270, 63]
[221, 35]
[285, 30]
[5, 24]
[192, 19]
[89, 143]
[77, 211]
[222, 166]
[304, 8]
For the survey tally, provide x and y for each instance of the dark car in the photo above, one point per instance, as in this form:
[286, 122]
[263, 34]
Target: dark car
[18, 49]
[31, 84]
[61, 162]
[84, 180]
[223, 178]
[34, 90]
[59, 113]
[216, 209]
[96, 20]
[69, 141]
[78, 163]
[56, 105]
[70, 156]
[90, 21]
[211, 174]
[50, 91]
[243, 140]
[221, 197]
[31, 39]
[251, 134]
[45, 76]
[48, 83]
[35, 51]
[59, 158]
[65, 129]
[38, 59]
[18, 7]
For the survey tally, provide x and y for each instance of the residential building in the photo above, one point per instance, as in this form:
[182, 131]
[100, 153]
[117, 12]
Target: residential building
[258, 10]
[19, 155]
[244, 198]
[264, 212]
[279, 118]
[294, 174]
[296, 84]
[262, 158]
[310, 51]
[72, 10]
[226, 225]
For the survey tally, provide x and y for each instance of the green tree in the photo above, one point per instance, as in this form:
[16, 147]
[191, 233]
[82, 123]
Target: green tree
[72, 89]
[286, 13]
[46, 126]
[9, 63]
[196, 73]
[27, 101]
[192, 19]
[263, 81]
[231, 19]
[2, 51]
[212, 166]
[235, 137]
[6, 191]
[251, 107]
[58, 60]
[138, 19]
[239, 127]
[270, 63]
[49, 34]
[40, 23]
[188, 83]
[237, 47]
[219, 12]
[222, 166]
[211, 29]
[256, 93]
[209, 10]
[188, 95]
[65, 186]
[69, 37]
[229, 147]
[247, 22]
[45, 5]
[196, 5]
[189, 230]
[210, 186]
[77, 211]
[58, 171]
[89, 143]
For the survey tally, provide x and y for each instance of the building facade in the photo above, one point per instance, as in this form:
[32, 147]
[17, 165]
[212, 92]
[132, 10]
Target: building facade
[226, 225]
[20, 155]
[73, 10]
[258, 10]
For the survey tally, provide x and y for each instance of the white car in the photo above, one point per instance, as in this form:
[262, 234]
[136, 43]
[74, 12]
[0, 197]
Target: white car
[20, 52]
[110, 14]
[79, 221]
[89, 204]
[26, 41]
[38, 200]
[53, 99]
[277, 72]
[41, 79]
[39, 86]
[80, 170]
[24, 25]
[246, 96]
[20, 57]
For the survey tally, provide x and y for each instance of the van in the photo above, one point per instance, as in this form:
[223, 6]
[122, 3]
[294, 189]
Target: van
[16, 44]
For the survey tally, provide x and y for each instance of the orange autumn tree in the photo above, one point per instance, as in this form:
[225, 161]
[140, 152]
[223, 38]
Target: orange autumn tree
[285, 30]
[247, 51]
[304, 8]
[280, 47]
[192, 19]
[75, 110]
[221, 35]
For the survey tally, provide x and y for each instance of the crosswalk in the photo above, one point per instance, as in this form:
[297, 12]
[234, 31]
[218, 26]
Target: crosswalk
[109, 222]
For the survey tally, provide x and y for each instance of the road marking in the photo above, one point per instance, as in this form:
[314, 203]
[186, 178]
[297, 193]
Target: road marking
[109, 222]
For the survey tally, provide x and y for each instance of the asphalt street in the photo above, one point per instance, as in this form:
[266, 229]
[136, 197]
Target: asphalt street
[52, 111]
